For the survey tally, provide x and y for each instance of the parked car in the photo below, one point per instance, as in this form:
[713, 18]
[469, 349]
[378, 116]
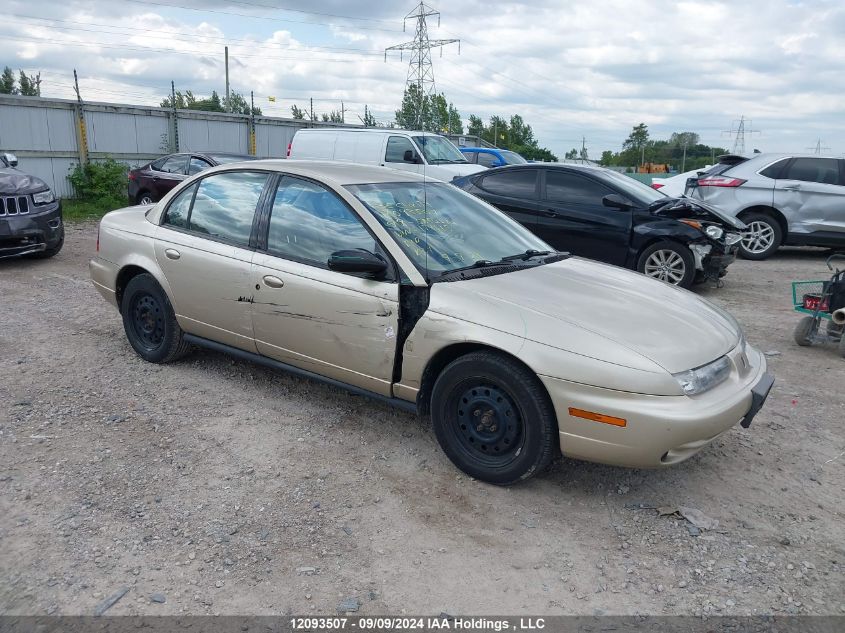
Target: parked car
[608, 216]
[492, 157]
[676, 185]
[416, 293]
[416, 152]
[149, 183]
[30, 214]
[785, 199]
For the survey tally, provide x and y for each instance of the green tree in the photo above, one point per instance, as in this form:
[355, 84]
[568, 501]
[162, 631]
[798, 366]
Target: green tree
[335, 116]
[29, 84]
[297, 112]
[415, 111]
[571, 154]
[520, 132]
[239, 105]
[7, 82]
[455, 125]
[606, 158]
[476, 126]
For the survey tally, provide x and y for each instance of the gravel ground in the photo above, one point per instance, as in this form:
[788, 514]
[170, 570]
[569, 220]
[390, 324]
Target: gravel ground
[217, 486]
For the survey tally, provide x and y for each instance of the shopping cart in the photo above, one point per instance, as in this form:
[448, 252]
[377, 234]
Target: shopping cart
[821, 301]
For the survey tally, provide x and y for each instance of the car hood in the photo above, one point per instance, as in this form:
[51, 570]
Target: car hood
[683, 207]
[13, 181]
[596, 310]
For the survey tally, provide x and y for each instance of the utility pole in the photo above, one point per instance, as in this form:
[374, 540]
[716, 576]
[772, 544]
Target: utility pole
[81, 131]
[420, 69]
[496, 132]
[366, 116]
[226, 49]
[584, 148]
[38, 84]
[342, 113]
[684, 161]
[252, 123]
[818, 148]
[311, 116]
[175, 119]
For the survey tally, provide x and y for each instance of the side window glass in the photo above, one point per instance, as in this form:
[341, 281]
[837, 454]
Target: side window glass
[566, 187]
[486, 159]
[308, 223]
[197, 165]
[156, 165]
[179, 208]
[472, 157]
[774, 170]
[821, 170]
[396, 148]
[174, 165]
[520, 183]
[225, 204]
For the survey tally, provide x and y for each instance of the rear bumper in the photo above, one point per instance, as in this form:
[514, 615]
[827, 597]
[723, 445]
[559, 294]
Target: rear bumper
[104, 278]
[31, 232]
[660, 430]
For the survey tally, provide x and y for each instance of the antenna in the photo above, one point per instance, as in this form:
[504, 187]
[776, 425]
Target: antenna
[738, 130]
[818, 148]
[420, 69]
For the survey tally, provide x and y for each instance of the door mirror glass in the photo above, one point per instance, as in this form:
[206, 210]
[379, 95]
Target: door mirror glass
[411, 156]
[357, 260]
[10, 159]
[615, 201]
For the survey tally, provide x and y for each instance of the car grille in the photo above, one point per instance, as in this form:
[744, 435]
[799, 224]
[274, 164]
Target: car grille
[14, 205]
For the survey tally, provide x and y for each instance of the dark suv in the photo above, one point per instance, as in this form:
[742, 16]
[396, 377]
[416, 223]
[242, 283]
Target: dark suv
[608, 216]
[30, 215]
[149, 183]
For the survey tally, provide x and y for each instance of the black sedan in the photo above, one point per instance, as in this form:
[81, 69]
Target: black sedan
[149, 183]
[608, 216]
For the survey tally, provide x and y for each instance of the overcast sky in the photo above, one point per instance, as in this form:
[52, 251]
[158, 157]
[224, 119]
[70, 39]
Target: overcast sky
[571, 69]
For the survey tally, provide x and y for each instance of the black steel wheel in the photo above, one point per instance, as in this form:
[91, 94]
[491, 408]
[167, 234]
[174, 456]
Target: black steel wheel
[493, 418]
[149, 321]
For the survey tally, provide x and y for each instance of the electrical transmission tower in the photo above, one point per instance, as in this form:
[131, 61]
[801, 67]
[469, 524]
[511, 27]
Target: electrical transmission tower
[738, 130]
[818, 148]
[420, 69]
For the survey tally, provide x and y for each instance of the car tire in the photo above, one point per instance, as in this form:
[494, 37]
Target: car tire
[762, 238]
[47, 253]
[149, 321]
[804, 331]
[144, 197]
[670, 262]
[514, 432]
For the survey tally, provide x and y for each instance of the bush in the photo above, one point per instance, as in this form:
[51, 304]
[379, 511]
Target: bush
[99, 181]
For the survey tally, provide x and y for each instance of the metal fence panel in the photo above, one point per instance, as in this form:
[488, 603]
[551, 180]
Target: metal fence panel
[203, 135]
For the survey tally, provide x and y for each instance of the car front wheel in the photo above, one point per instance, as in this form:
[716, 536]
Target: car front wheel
[669, 262]
[149, 321]
[762, 237]
[493, 418]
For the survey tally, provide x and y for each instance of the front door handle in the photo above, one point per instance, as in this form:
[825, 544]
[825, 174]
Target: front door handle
[172, 253]
[273, 282]
[794, 187]
[550, 213]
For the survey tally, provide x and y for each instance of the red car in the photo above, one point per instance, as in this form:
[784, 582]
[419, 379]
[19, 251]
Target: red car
[149, 183]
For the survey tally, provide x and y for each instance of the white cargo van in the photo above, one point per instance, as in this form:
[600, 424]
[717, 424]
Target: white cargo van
[418, 152]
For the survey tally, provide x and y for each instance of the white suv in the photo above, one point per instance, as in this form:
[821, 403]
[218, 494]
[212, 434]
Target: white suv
[785, 199]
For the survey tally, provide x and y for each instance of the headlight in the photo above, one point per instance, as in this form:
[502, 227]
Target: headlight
[43, 197]
[699, 380]
[714, 231]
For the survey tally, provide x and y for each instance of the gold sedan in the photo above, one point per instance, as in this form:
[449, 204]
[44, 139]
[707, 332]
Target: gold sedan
[416, 293]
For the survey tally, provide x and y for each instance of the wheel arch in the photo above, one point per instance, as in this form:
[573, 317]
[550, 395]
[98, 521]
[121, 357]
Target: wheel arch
[767, 210]
[132, 269]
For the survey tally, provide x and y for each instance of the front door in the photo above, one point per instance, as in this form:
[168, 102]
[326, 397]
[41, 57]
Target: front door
[334, 324]
[574, 218]
[394, 154]
[810, 193]
[203, 248]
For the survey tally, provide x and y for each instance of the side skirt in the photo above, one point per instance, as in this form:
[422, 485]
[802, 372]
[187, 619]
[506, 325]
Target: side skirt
[304, 373]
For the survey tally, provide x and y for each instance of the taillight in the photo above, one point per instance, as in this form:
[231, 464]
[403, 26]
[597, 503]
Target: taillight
[656, 185]
[288, 154]
[131, 176]
[720, 181]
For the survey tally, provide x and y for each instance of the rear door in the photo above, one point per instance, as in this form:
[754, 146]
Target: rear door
[515, 191]
[335, 324]
[810, 192]
[203, 246]
[574, 218]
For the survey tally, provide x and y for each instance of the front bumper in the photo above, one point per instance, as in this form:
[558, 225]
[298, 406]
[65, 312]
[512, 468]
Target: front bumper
[660, 430]
[32, 232]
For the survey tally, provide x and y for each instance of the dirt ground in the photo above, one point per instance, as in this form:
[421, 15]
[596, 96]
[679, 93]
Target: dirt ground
[217, 486]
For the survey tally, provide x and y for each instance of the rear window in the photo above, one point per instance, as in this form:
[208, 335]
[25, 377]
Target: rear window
[774, 170]
[821, 170]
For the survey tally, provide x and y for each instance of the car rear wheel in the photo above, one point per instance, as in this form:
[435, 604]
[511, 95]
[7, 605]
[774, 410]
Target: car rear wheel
[493, 418]
[149, 321]
[762, 238]
[145, 197]
[669, 262]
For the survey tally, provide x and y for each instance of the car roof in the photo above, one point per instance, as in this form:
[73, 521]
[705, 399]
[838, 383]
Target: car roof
[340, 173]
[482, 149]
[575, 166]
[369, 130]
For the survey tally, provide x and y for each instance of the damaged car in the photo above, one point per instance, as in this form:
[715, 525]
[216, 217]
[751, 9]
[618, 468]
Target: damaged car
[415, 293]
[30, 214]
[604, 215]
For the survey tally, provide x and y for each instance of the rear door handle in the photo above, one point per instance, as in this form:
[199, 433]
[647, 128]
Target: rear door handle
[550, 213]
[273, 282]
[172, 253]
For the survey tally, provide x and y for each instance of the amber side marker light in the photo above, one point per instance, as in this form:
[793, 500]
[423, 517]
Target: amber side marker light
[597, 417]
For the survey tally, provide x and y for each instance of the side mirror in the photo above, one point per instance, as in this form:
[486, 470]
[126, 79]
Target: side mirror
[615, 201]
[410, 156]
[357, 261]
[497, 163]
[10, 159]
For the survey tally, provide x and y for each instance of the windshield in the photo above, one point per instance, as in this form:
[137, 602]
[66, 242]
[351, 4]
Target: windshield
[638, 191]
[437, 149]
[512, 158]
[441, 228]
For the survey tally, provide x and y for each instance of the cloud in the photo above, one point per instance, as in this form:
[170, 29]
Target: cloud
[571, 69]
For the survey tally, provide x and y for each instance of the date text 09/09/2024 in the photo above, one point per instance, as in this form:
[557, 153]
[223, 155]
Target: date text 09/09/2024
[451, 623]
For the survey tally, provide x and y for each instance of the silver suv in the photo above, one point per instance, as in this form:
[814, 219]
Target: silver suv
[785, 199]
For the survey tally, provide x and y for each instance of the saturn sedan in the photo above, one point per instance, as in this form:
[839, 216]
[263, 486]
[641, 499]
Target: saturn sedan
[420, 295]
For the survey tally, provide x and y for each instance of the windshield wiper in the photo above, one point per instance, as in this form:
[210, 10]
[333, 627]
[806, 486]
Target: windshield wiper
[481, 263]
[526, 255]
[438, 161]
